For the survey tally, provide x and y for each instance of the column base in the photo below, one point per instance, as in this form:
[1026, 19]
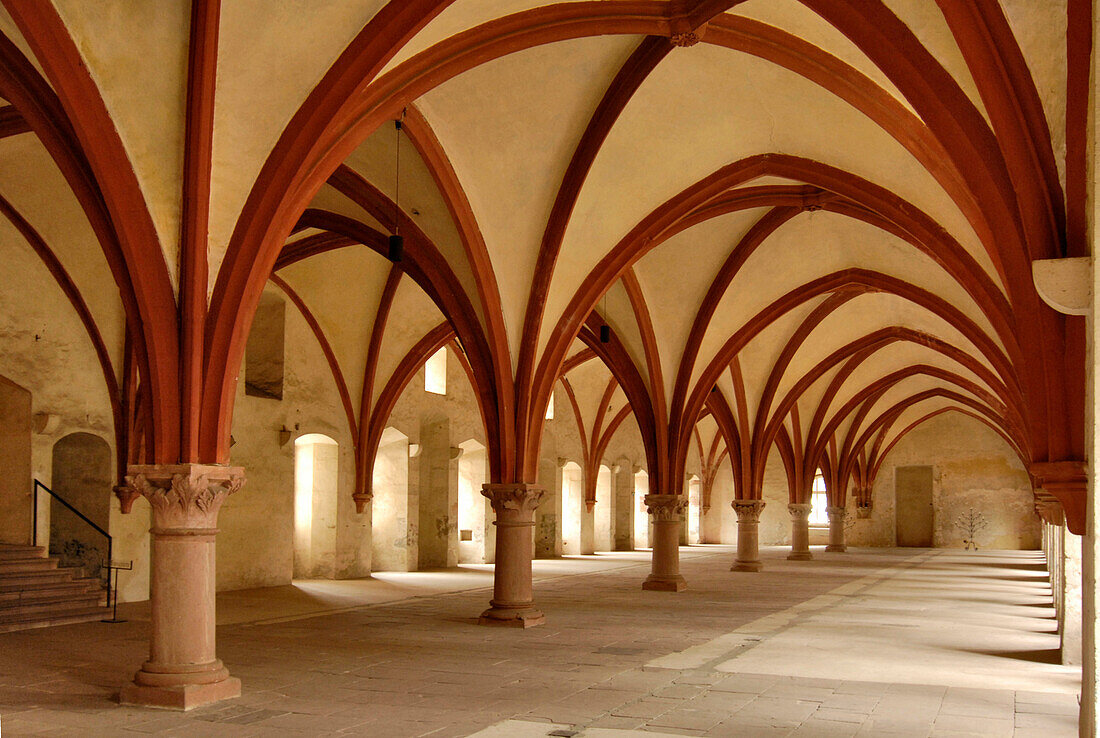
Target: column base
[800, 556]
[836, 548]
[665, 584]
[747, 566]
[180, 697]
[512, 617]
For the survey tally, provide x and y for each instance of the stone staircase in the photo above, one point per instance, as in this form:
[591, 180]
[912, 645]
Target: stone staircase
[35, 592]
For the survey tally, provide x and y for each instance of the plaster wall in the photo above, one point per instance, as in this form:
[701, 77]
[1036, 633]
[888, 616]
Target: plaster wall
[255, 546]
[394, 515]
[45, 349]
[972, 468]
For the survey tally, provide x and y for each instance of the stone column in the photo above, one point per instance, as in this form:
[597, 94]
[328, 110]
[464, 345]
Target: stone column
[588, 526]
[513, 601]
[667, 514]
[748, 535]
[837, 518]
[182, 671]
[800, 531]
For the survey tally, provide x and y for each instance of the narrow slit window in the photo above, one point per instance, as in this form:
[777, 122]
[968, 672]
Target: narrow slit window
[550, 408]
[435, 372]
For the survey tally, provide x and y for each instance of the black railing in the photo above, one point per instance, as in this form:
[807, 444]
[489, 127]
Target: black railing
[34, 530]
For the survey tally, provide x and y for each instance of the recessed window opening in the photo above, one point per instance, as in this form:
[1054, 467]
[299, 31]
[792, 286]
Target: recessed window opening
[819, 501]
[263, 354]
[435, 372]
[550, 408]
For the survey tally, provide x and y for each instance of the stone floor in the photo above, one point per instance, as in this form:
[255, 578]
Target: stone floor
[869, 643]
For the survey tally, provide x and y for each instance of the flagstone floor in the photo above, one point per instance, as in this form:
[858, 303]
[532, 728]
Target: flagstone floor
[873, 642]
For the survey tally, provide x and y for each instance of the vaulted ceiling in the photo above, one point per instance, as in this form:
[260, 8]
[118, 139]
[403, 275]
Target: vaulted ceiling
[809, 221]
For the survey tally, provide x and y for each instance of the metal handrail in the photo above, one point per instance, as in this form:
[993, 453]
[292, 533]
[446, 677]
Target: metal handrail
[34, 531]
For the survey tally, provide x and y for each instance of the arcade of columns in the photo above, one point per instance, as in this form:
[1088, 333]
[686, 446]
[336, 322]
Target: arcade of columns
[896, 226]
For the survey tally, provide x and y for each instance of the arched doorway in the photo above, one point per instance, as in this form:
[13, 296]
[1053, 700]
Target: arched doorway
[81, 476]
[15, 461]
[316, 469]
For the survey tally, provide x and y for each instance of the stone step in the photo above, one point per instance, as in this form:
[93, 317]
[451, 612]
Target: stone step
[23, 565]
[17, 611]
[49, 589]
[61, 617]
[15, 581]
[9, 551]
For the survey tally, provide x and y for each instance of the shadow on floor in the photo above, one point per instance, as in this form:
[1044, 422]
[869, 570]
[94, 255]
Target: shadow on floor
[1041, 656]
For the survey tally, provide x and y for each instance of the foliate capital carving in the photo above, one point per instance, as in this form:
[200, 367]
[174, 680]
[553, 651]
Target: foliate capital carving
[183, 496]
[799, 510]
[835, 512]
[665, 508]
[748, 511]
[863, 511]
[514, 500]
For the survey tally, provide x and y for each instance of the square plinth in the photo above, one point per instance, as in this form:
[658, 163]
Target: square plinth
[184, 697]
[747, 566]
[665, 585]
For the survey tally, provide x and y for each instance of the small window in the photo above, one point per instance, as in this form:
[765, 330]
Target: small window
[263, 354]
[819, 512]
[550, 408]
[435, 372]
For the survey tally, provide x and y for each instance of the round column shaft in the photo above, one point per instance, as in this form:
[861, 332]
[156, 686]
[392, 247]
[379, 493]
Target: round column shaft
[748, 535]
[183, 670]
[800, 531]
[668, 513]
[513, 599]
[838, 518]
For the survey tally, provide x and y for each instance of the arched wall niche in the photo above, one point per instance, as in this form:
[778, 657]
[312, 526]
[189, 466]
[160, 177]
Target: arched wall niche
[604, 510]
[82, 476]
[572, 508]
[393, 526]
[692, 525]
[641, 515]
[476, 539]
[316, 486]
[15, 461]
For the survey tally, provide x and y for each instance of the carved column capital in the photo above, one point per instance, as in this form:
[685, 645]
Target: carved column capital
[748, 511]
[665, 508]
[863, 511]
[183, 496]
[513, 499]
[799, 510]
[835, 512]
